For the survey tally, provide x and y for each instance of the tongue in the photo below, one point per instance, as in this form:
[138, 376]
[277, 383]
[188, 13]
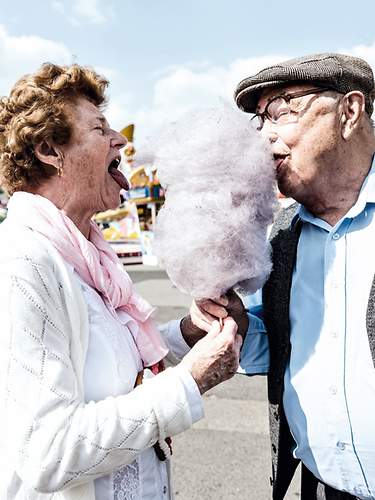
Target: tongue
[119, 177]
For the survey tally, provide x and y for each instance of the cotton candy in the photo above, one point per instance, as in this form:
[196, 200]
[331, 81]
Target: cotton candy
[211, 233]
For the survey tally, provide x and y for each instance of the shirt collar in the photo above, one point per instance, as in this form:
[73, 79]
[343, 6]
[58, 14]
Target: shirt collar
[366, 195]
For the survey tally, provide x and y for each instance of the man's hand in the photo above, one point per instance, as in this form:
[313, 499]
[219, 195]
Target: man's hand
[205, 311]
[237, 311]
[215, 357]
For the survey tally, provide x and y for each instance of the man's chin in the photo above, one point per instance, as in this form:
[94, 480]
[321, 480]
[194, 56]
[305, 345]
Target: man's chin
[285, 187]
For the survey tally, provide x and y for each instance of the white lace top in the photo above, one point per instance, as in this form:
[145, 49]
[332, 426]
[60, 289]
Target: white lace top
[111, 368]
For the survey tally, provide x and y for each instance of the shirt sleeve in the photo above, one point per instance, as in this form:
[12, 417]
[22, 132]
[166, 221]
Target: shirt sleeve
[172, 336]
[254, 358]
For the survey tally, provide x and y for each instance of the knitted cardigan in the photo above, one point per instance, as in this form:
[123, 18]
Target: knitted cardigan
[276, 296]
[53, 445]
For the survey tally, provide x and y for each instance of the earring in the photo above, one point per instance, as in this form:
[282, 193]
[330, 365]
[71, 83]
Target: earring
[60, 169]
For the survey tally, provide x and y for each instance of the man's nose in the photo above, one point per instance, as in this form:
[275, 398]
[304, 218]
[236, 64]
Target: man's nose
[272, 137]
[269, 134]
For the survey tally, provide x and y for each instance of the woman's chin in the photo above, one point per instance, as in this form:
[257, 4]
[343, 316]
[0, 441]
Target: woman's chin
[114, 203]
[113, 200]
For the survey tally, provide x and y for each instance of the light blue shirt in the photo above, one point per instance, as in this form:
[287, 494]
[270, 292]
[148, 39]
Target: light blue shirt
[254, 353]
[329, 396]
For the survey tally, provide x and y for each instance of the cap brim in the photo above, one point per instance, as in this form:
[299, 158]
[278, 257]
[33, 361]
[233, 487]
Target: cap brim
[247, 97]
[248, 94]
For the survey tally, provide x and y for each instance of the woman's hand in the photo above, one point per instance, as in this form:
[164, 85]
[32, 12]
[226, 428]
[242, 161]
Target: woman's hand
[205, 311]
[215, 357]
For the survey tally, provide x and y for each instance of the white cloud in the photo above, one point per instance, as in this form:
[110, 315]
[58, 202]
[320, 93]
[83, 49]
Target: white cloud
[117, 111]
[20, 55]
[183, 88]
[24, 54]
[89, 11]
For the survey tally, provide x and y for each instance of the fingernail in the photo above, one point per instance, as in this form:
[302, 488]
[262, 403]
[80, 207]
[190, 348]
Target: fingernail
[225, 301]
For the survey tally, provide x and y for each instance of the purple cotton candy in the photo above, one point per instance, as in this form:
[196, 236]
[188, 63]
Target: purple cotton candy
[211, 233]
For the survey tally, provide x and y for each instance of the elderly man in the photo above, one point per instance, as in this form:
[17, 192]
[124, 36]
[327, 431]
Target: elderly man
[318, 306]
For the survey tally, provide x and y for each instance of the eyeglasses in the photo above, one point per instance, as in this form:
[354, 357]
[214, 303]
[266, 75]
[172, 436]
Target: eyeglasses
[279, 109]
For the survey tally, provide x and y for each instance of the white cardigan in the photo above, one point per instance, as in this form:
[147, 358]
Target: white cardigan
[52, 444]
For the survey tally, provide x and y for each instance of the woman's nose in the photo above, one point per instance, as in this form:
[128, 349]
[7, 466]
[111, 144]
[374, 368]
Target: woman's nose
[119, 140]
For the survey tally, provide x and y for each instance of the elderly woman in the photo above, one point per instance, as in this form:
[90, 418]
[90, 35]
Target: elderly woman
[76, 339]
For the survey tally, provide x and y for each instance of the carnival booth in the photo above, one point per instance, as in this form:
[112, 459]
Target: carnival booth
[129, 229]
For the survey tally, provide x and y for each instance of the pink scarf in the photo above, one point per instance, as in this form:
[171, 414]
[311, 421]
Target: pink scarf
[95, 262]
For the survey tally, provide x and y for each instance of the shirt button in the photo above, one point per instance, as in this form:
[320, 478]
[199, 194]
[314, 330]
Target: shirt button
[336, 236]
[341, 446]
[333, 389]
[165, 490]
[334, 334]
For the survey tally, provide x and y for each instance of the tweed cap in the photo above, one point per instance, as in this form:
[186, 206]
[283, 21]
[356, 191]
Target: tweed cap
[338, 72]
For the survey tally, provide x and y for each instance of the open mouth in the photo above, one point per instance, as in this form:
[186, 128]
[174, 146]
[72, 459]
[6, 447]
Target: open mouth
[115, 173]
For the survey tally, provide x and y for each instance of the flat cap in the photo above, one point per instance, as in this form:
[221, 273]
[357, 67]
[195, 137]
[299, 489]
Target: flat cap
[338, 72]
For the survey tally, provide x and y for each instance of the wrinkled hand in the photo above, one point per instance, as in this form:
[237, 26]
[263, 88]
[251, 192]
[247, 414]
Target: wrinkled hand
[205, 311]
[215, 357]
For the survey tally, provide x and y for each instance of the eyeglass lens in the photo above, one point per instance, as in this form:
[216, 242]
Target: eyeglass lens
[279, 109]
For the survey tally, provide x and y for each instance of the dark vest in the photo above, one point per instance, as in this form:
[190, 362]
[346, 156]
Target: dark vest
[276, 297]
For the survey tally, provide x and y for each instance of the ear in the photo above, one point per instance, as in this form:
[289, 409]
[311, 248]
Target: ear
[48, 154]
[353, 108]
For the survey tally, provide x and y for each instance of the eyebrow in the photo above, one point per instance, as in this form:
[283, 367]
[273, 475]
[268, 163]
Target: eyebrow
[274, 96]
[282, 91]
[258, 107]
[102, 120]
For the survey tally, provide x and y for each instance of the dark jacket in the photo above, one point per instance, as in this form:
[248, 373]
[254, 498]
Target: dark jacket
[276, 297]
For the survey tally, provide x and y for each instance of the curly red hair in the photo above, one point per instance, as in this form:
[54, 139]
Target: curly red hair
[36, 111]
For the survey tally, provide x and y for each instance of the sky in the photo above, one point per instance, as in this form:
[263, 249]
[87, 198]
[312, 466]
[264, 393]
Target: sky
[164, 57]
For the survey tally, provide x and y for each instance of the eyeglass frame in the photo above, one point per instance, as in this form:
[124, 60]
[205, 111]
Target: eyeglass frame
[287, 97]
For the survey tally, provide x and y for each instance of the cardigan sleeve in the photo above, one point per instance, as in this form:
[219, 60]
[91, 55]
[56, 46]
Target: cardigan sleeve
[55, 440]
